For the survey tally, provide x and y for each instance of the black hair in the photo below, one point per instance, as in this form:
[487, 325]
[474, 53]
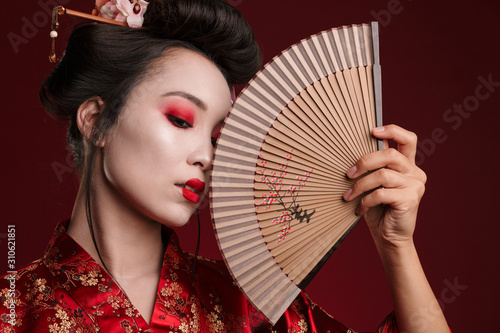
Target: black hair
[107, 62]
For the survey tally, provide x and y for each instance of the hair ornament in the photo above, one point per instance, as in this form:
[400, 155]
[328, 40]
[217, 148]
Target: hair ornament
[117, 12]
[130, 11]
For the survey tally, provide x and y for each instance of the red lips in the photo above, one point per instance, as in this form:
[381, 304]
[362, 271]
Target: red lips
[197, 185]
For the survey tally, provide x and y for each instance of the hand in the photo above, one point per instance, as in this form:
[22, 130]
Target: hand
[390, 209]
[397, 183]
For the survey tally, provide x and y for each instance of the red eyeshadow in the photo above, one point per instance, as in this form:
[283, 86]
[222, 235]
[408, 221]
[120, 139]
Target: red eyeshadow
[182, 111]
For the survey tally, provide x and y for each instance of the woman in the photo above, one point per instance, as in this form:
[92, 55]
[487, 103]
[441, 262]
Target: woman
[144, 108]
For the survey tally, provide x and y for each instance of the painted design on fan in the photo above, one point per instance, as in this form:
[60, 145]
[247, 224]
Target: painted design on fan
[274, 181]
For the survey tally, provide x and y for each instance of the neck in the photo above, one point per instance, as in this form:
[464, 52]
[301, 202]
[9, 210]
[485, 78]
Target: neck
[129, 243]
[125, 238]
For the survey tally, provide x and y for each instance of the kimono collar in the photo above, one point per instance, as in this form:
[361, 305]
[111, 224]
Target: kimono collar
[91, 287]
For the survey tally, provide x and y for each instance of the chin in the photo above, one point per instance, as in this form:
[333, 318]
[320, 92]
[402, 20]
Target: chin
[180, 219]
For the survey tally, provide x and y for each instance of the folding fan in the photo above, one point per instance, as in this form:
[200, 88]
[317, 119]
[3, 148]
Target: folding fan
[280, 165]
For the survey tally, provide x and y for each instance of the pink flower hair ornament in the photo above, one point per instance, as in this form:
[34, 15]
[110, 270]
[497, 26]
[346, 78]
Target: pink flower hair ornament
[130, 11]
[116, 12]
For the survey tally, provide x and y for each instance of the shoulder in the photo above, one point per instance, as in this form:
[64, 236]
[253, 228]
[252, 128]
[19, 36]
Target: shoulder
[216, 268]
[209, 273]
[216, 286]
[217, 300]
[179, 260]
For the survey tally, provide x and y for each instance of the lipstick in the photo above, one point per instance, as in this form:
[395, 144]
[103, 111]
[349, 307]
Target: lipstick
[192, 189]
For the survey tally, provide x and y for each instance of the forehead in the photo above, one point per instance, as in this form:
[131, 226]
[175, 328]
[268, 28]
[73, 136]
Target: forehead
[181, 67]
[183, 70]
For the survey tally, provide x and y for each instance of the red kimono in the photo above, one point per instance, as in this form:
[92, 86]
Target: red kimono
[67, 291]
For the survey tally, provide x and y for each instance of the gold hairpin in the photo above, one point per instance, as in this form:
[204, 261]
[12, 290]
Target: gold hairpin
[60, 10]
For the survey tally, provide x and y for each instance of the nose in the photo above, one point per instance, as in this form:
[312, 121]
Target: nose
[202, 154]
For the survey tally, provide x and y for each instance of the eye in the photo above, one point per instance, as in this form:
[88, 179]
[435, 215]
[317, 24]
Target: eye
[178, 122]
[180, 114]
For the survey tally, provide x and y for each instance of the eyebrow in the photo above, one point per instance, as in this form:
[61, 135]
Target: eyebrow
[195, 100]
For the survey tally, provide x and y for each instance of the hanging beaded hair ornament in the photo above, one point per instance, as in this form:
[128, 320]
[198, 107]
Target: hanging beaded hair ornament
[117, 12]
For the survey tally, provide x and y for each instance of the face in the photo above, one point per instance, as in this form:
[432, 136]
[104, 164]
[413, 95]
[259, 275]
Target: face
[156, 158]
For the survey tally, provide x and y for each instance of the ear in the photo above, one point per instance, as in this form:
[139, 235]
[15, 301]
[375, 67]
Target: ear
[87, 117]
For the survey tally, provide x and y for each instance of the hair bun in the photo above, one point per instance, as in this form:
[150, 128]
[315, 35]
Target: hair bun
[214, 27]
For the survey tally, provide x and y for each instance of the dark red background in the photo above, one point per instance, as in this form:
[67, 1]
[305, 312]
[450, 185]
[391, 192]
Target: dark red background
[432, 54]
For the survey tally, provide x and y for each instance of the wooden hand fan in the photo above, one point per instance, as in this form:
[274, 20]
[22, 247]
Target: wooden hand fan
[281, 160]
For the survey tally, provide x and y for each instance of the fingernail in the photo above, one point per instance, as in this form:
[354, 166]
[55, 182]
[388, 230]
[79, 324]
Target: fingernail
[379, 129]
[352, 171]
[347, 194]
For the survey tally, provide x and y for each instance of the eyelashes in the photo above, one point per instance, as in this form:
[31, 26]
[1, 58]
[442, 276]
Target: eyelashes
[179, 122]
[180, 116]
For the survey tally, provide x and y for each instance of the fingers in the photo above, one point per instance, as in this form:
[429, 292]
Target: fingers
[377, 197]
[400, 200]
[407, 141]
[381, 178]
[401, 160]
[388, 158]
[397, 181]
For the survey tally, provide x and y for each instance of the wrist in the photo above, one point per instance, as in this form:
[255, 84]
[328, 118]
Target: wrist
[396, 252]
[390, 242]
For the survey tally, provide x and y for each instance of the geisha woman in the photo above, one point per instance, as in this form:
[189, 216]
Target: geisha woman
[144, 104]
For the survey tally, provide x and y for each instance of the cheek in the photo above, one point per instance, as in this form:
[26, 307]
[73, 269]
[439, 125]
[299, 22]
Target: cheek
[140, 156]
[141, 170]
[123, 163]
